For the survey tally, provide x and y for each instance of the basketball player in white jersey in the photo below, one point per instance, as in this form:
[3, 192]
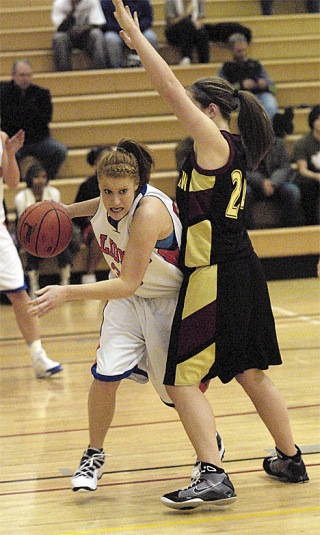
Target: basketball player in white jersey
[12, 281]
[139, 235]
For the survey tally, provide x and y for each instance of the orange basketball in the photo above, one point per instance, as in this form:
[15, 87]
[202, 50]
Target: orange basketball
[45, 229]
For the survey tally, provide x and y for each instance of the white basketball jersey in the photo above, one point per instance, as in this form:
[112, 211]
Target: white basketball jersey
[163, 277]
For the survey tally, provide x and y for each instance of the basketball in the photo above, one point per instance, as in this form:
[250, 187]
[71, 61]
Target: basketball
[45, 229]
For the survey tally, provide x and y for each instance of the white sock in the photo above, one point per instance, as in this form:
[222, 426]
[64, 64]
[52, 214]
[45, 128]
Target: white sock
[34, 347]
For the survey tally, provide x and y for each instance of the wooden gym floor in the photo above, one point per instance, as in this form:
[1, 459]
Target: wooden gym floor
[43, 431]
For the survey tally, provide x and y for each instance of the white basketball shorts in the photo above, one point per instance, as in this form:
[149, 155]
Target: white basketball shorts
[134, 341]
[11, 271]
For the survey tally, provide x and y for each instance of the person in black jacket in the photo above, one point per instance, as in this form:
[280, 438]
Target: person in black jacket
[27, 106]
[248, 74]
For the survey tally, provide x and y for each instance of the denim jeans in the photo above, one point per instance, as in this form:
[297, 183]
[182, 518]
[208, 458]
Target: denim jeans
[117, 49]
[269, 103]
[92, 42]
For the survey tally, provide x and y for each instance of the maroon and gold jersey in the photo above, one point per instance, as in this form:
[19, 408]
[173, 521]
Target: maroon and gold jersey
[211, 204]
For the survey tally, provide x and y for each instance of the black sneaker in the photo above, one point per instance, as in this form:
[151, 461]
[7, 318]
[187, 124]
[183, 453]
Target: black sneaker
[195, 474]
[89, 471]
[212, 488]
[289, 469]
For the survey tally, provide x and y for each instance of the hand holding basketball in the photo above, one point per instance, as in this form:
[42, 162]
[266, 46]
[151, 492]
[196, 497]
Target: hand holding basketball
[45, 229]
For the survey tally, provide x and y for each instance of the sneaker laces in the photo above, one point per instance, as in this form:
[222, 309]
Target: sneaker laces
[197, 480]
[89, 464]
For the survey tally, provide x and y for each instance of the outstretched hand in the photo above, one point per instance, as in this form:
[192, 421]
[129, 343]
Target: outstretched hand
[14, 143]
[126, 21]
[48, 298]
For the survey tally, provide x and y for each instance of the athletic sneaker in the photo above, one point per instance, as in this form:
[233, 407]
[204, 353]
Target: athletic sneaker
[197, 466]
[43, 366]
[89, 471]
[289, 469]
[213, 487]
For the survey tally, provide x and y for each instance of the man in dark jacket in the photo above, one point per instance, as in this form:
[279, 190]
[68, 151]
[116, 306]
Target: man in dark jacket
[248, 74]
[272, 180]
[27, 106]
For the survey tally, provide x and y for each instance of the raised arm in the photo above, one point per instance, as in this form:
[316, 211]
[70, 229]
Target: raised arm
[198, 125]
[10, 169]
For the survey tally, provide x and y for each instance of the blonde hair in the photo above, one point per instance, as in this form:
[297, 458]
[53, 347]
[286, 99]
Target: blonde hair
[130, 159]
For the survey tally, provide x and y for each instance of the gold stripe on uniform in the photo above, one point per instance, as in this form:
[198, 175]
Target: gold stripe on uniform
[198, 247]
[195, 368]
[199, 293]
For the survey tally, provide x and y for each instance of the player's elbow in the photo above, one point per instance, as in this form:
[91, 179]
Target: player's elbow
[129, 287]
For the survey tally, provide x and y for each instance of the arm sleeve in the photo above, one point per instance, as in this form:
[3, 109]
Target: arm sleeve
[266, 77]
[96, 16]
[59, 13]
[298, 151]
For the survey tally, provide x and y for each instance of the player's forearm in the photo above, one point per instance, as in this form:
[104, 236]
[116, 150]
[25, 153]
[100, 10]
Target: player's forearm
[103, 290]
[83, 209]
[157, 69]
[11, 173]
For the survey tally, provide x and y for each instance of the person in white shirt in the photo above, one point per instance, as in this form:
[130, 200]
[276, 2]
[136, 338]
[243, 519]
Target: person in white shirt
[78, 25]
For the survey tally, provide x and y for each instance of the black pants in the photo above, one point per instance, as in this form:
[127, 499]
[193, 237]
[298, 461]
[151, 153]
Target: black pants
[187, 37]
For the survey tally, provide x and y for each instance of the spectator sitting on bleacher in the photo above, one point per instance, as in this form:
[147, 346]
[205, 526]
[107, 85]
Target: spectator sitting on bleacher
[248, 74]
[185, 28]
[89, 189]
[24, 105]
[38, 189]
[272, 178]
[312, 6]
[306, 156]
[119, 54]
[78, 25]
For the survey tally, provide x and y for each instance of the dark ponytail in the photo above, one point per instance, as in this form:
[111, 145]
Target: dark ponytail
[254, 124]
[255, 128]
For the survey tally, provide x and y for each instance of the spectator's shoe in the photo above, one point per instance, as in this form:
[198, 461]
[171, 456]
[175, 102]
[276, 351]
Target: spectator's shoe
[197, 466]
[284, 468]
[185, 61]
[88, 278]
[134, 60]
[89, 471]
[212, 488]
[43, 366]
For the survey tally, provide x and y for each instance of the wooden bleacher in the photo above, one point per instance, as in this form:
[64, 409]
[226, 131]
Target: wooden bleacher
[92, 107]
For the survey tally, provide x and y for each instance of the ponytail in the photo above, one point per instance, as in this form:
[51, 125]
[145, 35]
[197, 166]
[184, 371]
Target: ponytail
[254, 124]
[255, 128]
